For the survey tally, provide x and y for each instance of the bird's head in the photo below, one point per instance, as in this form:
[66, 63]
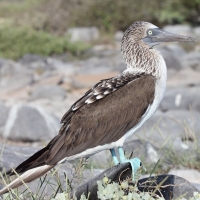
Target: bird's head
[149, 34]
[139, 39]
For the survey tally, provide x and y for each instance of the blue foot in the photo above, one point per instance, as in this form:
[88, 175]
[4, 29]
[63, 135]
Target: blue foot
[115, 159]
[135, 163]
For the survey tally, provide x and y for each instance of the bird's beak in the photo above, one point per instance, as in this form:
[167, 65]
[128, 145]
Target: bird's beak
[164, 36]
[160, 36]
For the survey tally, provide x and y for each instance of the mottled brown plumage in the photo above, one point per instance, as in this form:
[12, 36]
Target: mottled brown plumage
[89, 125]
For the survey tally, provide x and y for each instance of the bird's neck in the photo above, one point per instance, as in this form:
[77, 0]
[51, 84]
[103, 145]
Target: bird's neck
[140, 59]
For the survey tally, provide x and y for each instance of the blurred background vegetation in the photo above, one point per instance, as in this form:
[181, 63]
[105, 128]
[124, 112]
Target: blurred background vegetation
[39, 26]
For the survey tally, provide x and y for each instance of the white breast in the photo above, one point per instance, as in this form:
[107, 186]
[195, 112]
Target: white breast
[160, 86]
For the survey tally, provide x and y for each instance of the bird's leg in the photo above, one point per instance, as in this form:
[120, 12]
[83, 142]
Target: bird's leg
[135, 163]
[115, 159]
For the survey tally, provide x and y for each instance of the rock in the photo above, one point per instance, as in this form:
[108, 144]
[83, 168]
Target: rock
[179, 29]
[101, 160]
[171, 60]
[181, 99]
[191, 175]
[100, 49]
[173, 55]
[14, 76]
[4, 110]
[185, 77]
[196, 185]
[95, 66]
[66, 68]
[12, 156]
[81, 81]
[141, 149]
[192, 60]
[176, 50]
[118, 63]
[26, 123]
[84, 34]
[57, 106]
[39, 64]
[120, 66]
[52, 92]
[30, 58]
[118, 36]
[173, 186]
[171, 128]
[197, 32]
[112, 173]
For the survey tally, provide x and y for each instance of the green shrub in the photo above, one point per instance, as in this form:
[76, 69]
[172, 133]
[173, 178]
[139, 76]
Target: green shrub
[114, 15]
[119, 14]
[108, 15]
[180, 11]
[15, 42]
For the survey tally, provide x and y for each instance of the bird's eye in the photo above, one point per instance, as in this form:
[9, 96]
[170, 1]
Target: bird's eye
[150, 32]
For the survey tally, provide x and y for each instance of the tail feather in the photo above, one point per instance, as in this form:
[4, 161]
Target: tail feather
[27, 177]
[36, 160]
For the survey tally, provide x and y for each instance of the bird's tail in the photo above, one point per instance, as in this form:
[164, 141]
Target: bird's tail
[27, 177]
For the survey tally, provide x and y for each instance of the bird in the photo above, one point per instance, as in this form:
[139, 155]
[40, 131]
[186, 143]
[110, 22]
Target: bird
[112, 110]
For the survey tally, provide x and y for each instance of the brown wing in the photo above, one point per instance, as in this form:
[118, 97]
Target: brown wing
[98, 122]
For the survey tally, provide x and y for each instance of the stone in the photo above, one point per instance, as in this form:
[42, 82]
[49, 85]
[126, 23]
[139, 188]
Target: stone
[57, 106]
[30, 58]
[184, 77]
[192, 60]
[191, 175]
[101, 160]
[82, 81]
[179, 29]
[12, 156]
[118, 36]
[181, 98]
[94, 65]
[52, 92]
[83, 34]
[141, 149]
[173, 186]
[176, 50]
[171, 129]
[171, 60]
[65, 68]
[14, 76]
[28, 123]
[4, 110]
[197, 32]
[40, 65]
[196, 185]
[173, 55]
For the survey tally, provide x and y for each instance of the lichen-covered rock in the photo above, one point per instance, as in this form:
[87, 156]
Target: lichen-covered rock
[171, 187]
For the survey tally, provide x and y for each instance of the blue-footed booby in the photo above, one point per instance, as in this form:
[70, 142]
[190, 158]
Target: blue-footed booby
[113, 110]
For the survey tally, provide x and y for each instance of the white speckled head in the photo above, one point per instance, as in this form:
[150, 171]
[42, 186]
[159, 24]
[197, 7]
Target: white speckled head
[137, 44]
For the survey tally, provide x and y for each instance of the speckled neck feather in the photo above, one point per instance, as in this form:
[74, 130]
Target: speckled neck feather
[136, 54]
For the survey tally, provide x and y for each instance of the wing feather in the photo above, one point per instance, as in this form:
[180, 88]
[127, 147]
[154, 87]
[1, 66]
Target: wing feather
[91, 122]
[105, 124]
